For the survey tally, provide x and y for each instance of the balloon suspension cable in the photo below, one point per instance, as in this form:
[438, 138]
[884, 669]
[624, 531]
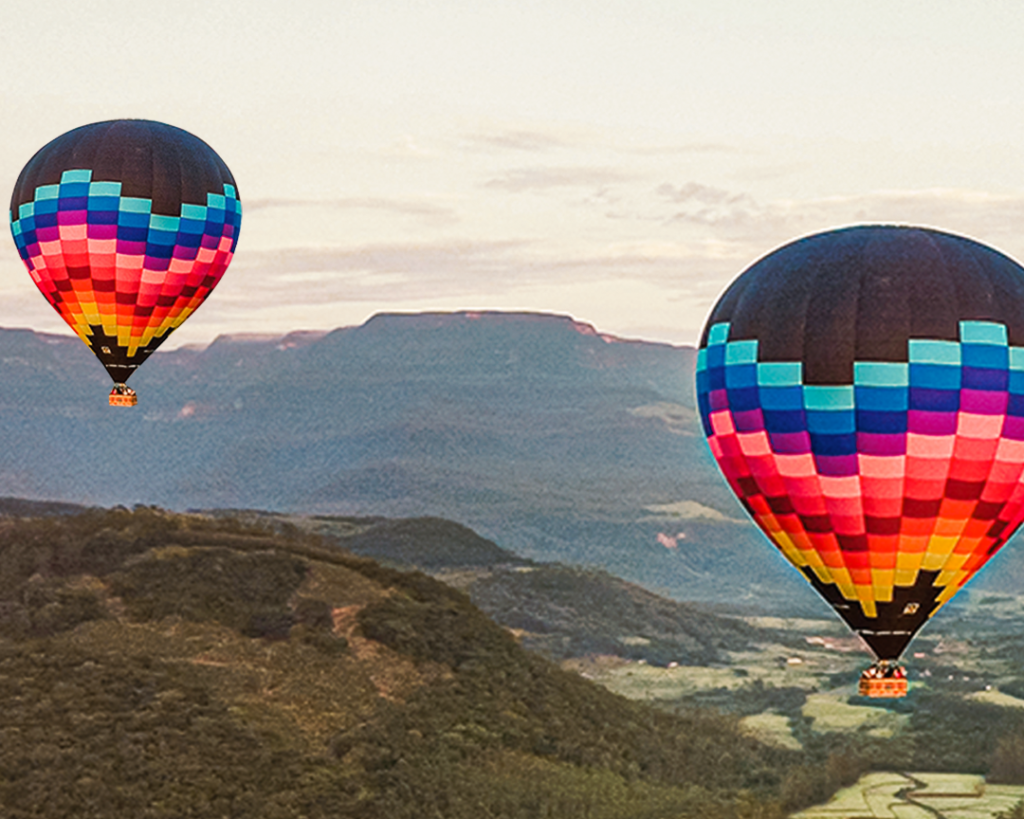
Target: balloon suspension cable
[884, 678]
[123, 396]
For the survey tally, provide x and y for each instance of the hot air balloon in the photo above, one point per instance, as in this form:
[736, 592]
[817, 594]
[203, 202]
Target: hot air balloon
[126, 227]
[862, 391]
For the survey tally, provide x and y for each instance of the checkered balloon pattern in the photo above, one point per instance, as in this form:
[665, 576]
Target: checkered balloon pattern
[887, 470]
[125, 227]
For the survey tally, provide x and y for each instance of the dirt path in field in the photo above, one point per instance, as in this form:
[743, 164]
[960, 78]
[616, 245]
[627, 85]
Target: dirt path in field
[906, 794]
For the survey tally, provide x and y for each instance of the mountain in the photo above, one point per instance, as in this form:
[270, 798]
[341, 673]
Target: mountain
[23, 508]
[159, 665]
[535, 430]
[543, 435]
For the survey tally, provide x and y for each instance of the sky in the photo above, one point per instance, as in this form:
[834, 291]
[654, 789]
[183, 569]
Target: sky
[619, 162]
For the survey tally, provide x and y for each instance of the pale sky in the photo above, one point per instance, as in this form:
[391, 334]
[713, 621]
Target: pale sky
[620, 162]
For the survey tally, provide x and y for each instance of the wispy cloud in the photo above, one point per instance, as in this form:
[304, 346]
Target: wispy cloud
[683, 149]
[738, 217]
[611, 286]
[383, 271]
[526, 141]
[519, 180]
[401, 207]
[703, 194]
[956, 210]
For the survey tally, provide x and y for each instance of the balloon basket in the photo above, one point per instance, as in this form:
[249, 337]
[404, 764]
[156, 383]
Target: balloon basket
[122, 396]
[883, 679]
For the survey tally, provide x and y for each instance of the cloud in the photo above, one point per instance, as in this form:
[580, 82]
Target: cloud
[402, 207]
[684, 149]
[383, 271]
[703, 194]
[956, 210]
[771, 172]
[528, 141]
[519, 180]
[430, 269]
[746, 224]
[740, 218]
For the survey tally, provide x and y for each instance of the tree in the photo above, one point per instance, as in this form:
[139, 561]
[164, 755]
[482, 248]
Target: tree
[1008, 761]
[1016, 812]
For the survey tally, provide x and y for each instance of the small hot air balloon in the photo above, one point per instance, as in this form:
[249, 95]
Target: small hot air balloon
[126, 227]
[862, 391]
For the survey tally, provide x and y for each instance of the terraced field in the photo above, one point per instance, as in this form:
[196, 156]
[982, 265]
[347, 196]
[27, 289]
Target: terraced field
[918, 796]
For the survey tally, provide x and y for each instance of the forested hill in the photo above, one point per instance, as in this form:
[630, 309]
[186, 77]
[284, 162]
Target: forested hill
[159, 665]
[562, 611]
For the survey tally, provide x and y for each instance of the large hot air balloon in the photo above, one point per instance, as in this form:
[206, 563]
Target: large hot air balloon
[125, 226]
[862, 391]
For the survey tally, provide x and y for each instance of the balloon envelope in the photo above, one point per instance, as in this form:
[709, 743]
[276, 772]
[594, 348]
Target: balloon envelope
[862, 391]
[125, 226]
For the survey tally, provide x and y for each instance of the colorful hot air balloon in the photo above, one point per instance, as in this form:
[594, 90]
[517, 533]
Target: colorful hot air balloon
[862, 391]
[125, 226]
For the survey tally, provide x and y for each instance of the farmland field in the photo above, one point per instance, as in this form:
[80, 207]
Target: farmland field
[832, 712]
[917, 796]
[798, 691]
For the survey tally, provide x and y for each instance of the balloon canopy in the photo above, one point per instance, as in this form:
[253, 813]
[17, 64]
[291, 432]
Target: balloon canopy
[862, 391]
[125, 226]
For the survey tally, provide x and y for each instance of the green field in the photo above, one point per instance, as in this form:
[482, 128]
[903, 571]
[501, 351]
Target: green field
[772, 729]
[798, 692]
[831, 712]
[917, 796]
[639, 681]
[773, 665]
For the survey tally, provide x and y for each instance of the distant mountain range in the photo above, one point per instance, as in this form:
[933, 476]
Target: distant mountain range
[553, 440]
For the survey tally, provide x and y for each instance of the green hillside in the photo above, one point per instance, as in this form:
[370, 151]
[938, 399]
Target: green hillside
[425, 543]
[568, 612]
[156, 665]
[561, 611]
